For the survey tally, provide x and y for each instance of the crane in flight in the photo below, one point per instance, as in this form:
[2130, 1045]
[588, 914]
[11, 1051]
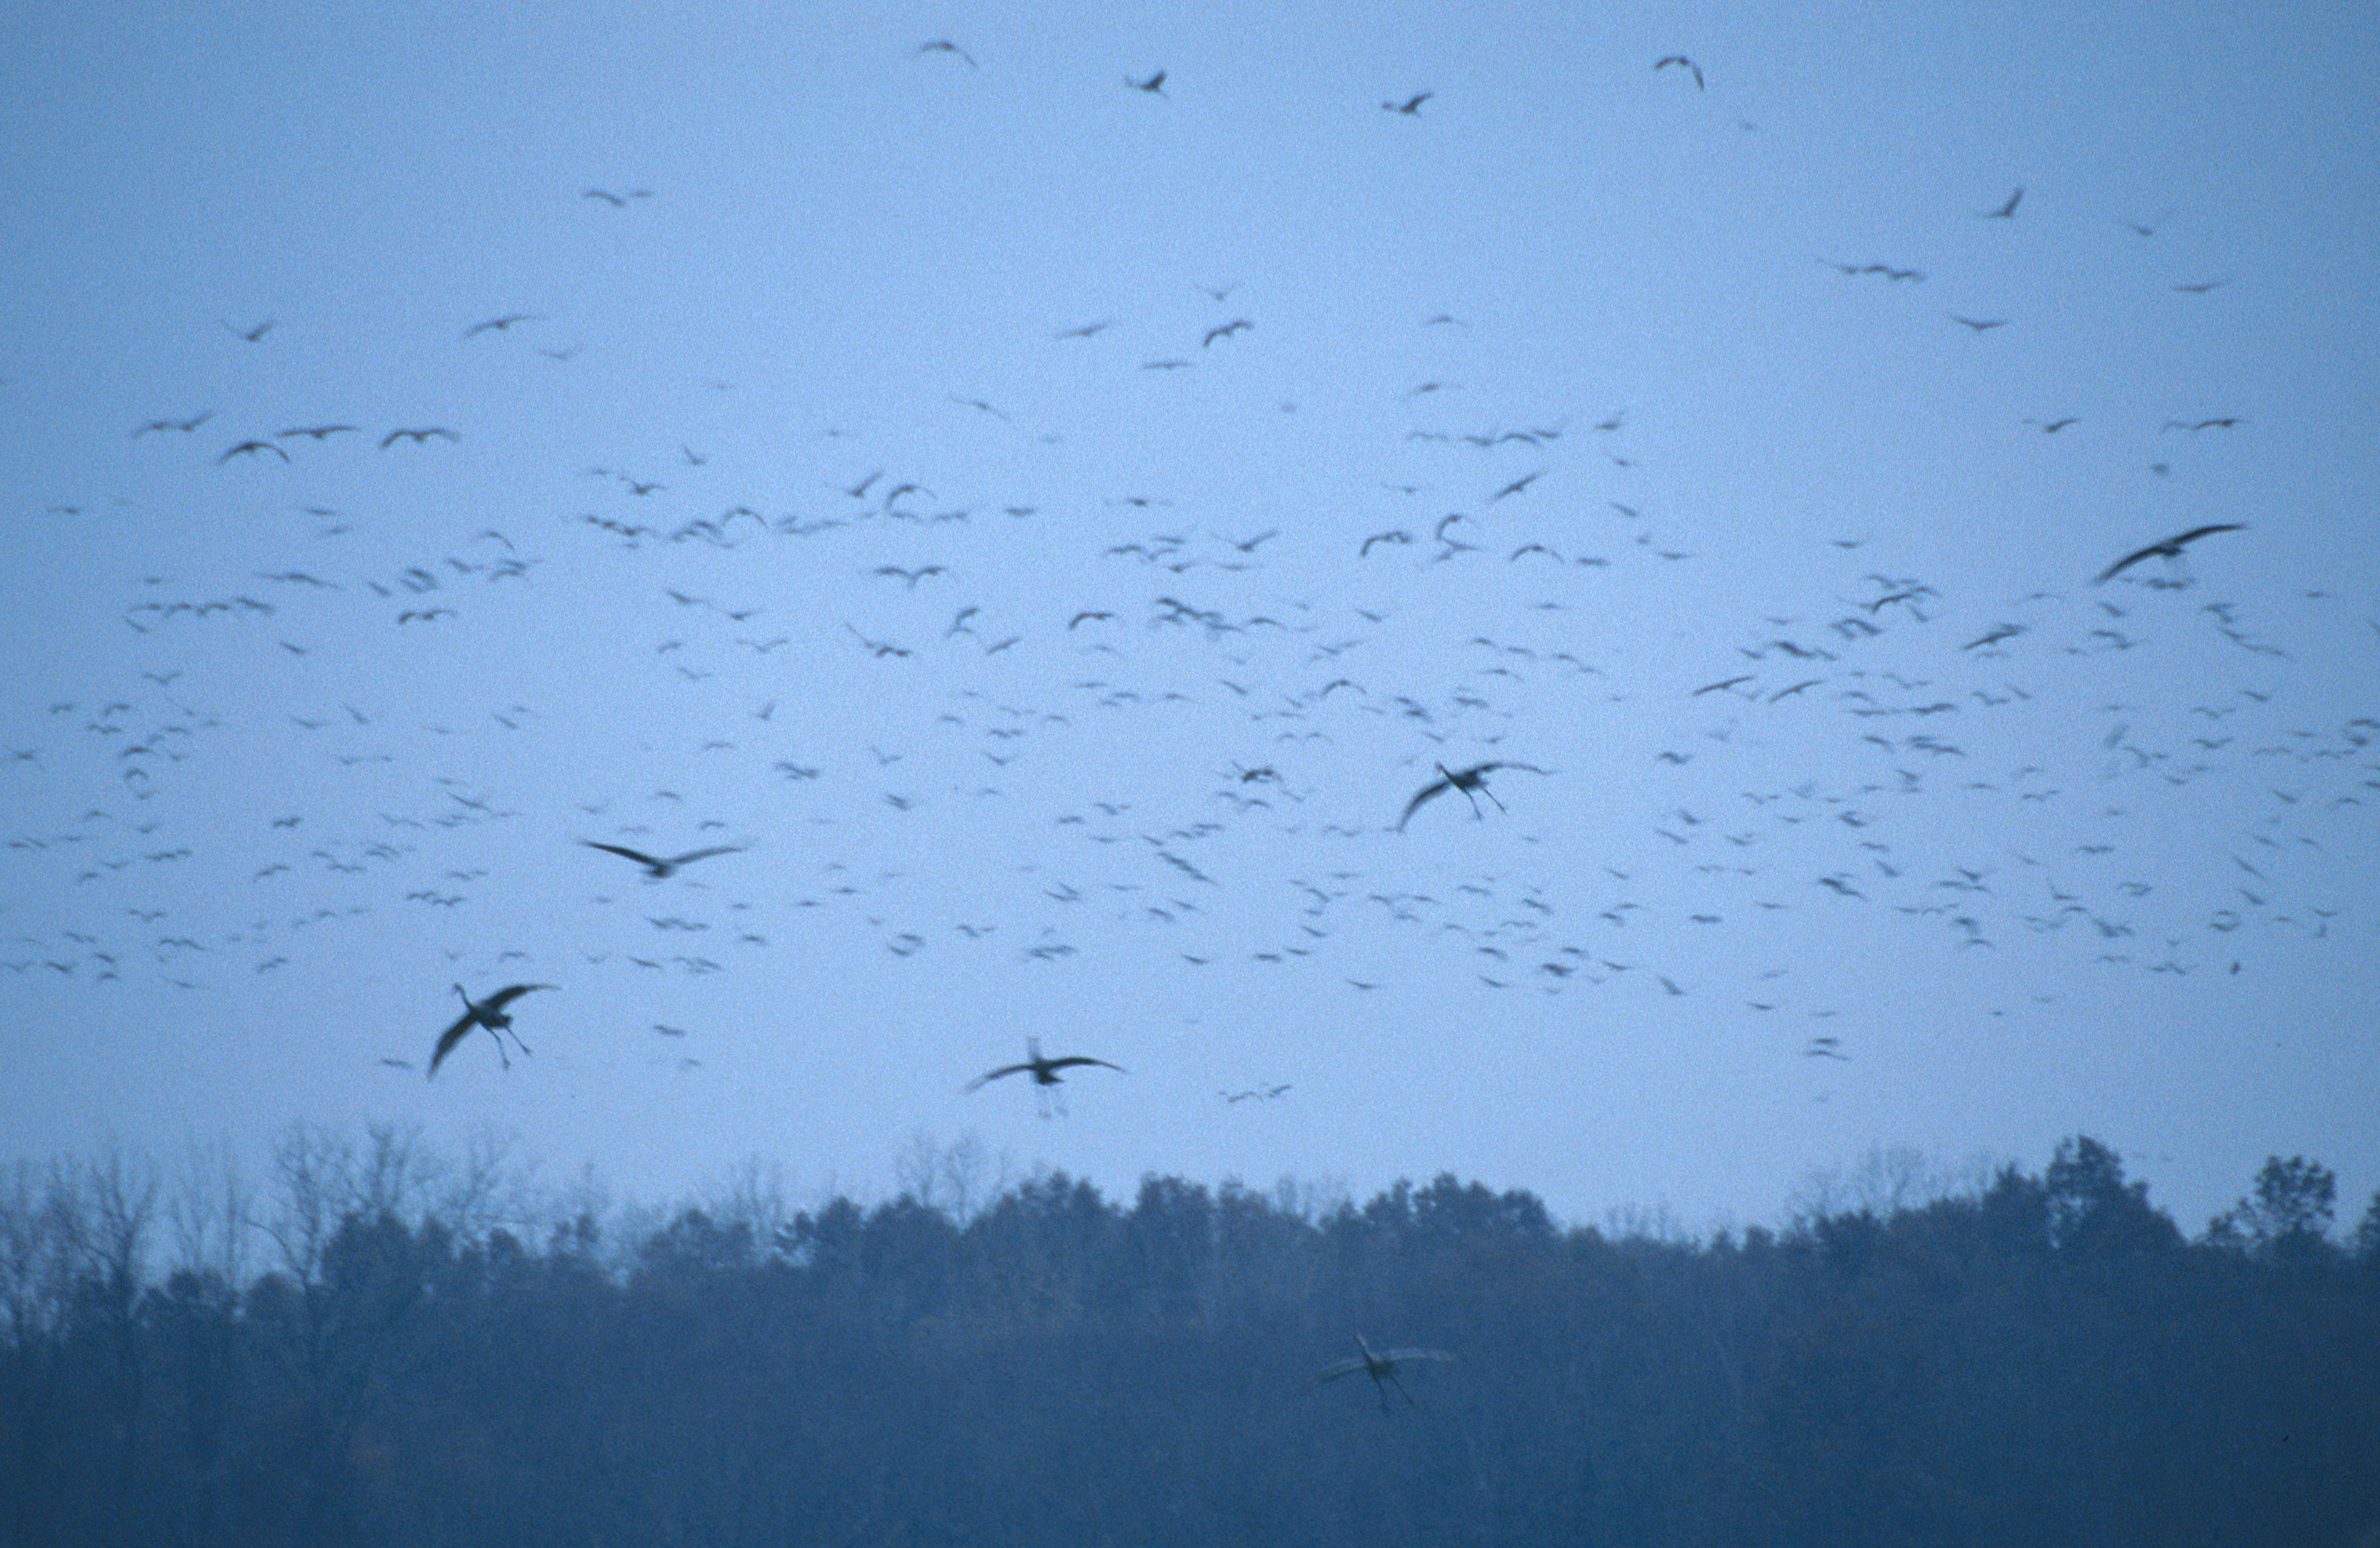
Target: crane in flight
[489, 1014]
[2169, 547]
[1043, 1071]
[1381, 1366]
[1468, 780]
[656, 868]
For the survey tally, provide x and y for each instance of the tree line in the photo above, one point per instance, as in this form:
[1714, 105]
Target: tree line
[381, 1347]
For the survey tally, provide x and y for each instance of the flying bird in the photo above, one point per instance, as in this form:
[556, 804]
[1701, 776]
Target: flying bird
[185, 426]
[417, 437]
[1981, 325]
[1381, 1366]
[1225, 331]
[251, 447]
[1154, 85]
[498, 325]
[1691, 68]
[255, 334]
[2170, 547]
[943, 45]
[617, 201]
[1411, 105]
[656, 868]
[1467, 781]
[489, 1014]
[1043, 1071]
[2006, 212]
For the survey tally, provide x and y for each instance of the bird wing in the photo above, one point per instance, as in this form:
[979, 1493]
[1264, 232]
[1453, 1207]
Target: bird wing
[510, 993]
[2112, 571]
[1401, 1356]
[1073, 1059]
[986, 1077]
[447, 1040]
[1338, 1368]
[623, 849]
[692, 855]
[2197, 532]
[1436, 788]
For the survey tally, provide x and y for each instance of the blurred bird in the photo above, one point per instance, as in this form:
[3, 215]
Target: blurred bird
[1381, 1366]
[2170, 547]
[657, 868]
[489, 1014]
[1467, 781]
[1693, 68]
[1043, 1071]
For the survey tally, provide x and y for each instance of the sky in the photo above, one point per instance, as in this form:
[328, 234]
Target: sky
[1048, 530]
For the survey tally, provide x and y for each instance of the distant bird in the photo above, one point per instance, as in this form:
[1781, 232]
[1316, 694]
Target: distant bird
[1381, 1366]
[185, 426]
[2170, 547]
[2195, 425]
[1467, 781]
[2051, 427]
[1225, 331]
[657, 868]
[1691, 68]
[1085, 330]
[1411, 105]
[1043, 1071]
[2006, 212]
[489, 1014]
[617, 201]
[943, 45]
[1980, 325]
[255, 334]
[498, 325]
[2201, 286]
[320, 432]
[251, 447]
[1154, 85]
[417, 437]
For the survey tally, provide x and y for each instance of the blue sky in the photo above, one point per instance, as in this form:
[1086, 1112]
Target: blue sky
[251, 850]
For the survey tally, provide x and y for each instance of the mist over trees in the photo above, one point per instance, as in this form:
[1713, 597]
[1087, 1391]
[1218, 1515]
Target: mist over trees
[373, 1345]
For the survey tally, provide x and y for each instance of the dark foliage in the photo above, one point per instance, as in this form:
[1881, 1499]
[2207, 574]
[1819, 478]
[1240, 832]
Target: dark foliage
[2046, 1360]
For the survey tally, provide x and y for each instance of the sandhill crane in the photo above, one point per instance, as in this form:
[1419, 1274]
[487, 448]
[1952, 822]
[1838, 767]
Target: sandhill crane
[1467, 781]
[656, 868]
[2170, 547]
[489, 1014]
[1043, 1071]
[1381, 1366]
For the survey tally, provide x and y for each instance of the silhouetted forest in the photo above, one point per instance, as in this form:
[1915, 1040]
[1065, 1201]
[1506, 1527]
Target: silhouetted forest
[376, 1345]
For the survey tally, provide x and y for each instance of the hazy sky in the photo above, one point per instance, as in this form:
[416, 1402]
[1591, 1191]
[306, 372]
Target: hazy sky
[775, 518]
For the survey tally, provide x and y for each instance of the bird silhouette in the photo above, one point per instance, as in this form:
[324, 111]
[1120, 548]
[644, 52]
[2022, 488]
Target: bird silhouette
[2006, 212]
[1381, 1366]
[1154, 85]
[489, 1014]
[943, 45]
[1411, 105]
[497, 324]
[185, 426]
[1691, 68]
[656, 868]
[417, 437]
[2170, 547]
[251, 447]
[1043, 1071]
[1467, 781]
